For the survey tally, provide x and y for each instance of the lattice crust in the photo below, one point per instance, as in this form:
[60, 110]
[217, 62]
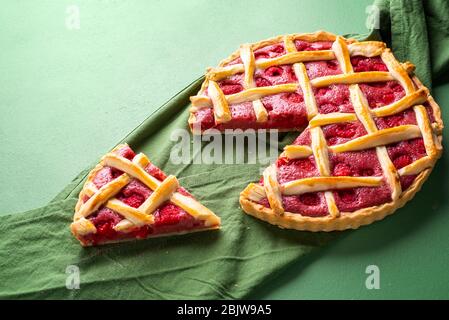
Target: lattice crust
[416, 100]
[91, 198]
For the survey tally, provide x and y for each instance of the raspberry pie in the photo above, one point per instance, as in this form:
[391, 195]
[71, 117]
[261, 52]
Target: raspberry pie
[126, 197]
[371, 131]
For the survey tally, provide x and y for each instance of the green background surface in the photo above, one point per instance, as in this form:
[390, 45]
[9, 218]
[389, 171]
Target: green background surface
[67, 96]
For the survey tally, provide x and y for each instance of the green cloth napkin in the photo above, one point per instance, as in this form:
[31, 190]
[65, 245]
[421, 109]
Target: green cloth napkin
[38, 253]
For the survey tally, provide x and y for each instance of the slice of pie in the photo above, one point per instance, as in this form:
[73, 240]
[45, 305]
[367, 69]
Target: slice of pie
[127, 197]
[372, 131]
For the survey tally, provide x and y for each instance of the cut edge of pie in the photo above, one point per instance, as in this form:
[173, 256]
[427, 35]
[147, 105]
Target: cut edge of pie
[126, 197]
[372, 132]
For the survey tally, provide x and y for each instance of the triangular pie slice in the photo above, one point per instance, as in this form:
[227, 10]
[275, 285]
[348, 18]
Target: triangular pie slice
[372, 131]
[127, 197]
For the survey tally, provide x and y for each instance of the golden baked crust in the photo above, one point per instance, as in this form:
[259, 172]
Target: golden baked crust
[415, 96]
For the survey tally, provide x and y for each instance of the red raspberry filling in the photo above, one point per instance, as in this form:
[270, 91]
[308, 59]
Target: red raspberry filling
[293, 97]
[312, 46]
[204, 119]
[286, 110]
[262, 82]
[274, 76]
[104, 220]
[231, 88]
[170, 218]
[316, 69]
[343, 132]
[242, 114]
[155, 172]
[349, 200]
[363, 64]
[268, 52]
[405, 152]
[355, 163]
[402, 118]
[358, 164]
[104, 176]
[294, 169]
[406, 181]
[303, 139]
[232, 84]
[380, 94]
[334, 98]
[134, 194]
[243, 117]
[126, 152]
[308, 204]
